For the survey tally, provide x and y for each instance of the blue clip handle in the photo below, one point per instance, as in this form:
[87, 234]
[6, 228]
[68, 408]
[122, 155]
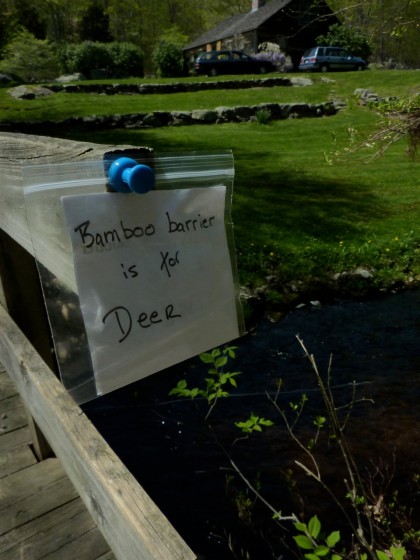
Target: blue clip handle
[126, 175]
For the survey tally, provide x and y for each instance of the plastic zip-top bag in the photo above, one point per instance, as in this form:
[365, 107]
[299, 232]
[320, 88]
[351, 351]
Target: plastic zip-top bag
[134, 283]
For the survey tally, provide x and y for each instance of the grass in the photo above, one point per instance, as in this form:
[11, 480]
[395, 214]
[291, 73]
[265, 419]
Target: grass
[299, 209]
[64, 105]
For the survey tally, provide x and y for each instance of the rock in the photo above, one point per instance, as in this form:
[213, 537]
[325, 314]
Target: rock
[76, 77]
[226, 114]
[244, 112]
[180, 118]
[204, 116]
[157, 119]
[301, 82]
[29, 92]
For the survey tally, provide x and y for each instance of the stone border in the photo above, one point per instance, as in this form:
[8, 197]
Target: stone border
[176, 87]
[156, 119]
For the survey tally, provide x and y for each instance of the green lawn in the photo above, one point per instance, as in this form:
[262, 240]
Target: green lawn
[301, 206]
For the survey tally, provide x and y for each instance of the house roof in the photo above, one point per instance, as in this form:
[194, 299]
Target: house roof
[240, 23]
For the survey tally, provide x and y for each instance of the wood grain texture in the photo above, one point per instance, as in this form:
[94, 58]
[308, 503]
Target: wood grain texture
[17, 151]
[131, 523]
[128, 519]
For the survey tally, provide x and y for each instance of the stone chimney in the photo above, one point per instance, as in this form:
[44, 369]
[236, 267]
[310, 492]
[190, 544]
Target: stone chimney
[256, 4]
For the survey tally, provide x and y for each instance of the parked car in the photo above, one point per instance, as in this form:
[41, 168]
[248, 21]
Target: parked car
[325, 59]
[214, 63]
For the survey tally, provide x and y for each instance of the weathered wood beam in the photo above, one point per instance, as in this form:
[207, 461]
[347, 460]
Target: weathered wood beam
[131, 523]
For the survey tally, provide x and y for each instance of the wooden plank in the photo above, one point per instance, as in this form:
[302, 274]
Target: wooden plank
[107, 556]
[17, 438]
[66, 533]
[16, 459]
[131, 523]
[12, 414]
[7, 387]
[30, 493]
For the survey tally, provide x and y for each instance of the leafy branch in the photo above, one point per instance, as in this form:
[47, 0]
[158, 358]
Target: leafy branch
[218, 381]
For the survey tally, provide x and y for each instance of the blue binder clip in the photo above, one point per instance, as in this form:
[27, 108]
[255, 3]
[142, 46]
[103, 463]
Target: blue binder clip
[126, 175]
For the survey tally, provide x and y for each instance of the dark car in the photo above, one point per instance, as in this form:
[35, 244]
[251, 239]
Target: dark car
[214, 63]
[325, 59]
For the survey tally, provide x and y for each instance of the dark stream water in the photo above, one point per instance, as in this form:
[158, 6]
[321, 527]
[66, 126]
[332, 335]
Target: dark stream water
[185, 466]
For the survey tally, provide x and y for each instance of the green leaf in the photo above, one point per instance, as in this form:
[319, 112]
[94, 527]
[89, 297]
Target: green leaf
[231, 351]
[321, 550]
[398, 553]
[319, 421]
[302, 527]
[265, 422]
[180, 389]
[314, 527]
[337, 557]
[206, 358]
[333, 538]
[311, 556]
[304, 542]
[221, 361]
[381, 555]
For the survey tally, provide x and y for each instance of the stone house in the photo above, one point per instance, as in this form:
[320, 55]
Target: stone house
[292, 24]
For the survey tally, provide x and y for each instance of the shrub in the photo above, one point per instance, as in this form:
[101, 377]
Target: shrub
[117, 60]
[348, 38]
[85, 57]
[127, 60]
[169, 60]
[29, 59]
[271, 52]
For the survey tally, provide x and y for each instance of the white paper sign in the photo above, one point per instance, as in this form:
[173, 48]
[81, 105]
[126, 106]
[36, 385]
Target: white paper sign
[154, 279]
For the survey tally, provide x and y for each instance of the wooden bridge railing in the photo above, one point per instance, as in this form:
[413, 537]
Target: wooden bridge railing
[133, 526]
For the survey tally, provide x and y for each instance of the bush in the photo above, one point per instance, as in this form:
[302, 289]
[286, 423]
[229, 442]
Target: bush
[348, 38]
[127, 60]
[29, 59]
[169, 60]
[116, 60]
[271, 52]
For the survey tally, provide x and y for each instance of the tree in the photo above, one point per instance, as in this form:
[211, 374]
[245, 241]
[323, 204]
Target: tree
[94, 23]
[30, 59]
[59, 18]
[168, 59]
[348, 38]
[392, 26]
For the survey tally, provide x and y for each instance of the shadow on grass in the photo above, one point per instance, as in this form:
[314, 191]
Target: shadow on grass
[275, 200]
[292, 205]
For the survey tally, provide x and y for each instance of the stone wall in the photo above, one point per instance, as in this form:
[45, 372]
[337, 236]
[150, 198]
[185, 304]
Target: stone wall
[220, 115]
[262, 112]
[177, 87]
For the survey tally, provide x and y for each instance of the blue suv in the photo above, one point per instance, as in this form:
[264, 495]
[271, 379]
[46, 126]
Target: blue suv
[325, 59]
